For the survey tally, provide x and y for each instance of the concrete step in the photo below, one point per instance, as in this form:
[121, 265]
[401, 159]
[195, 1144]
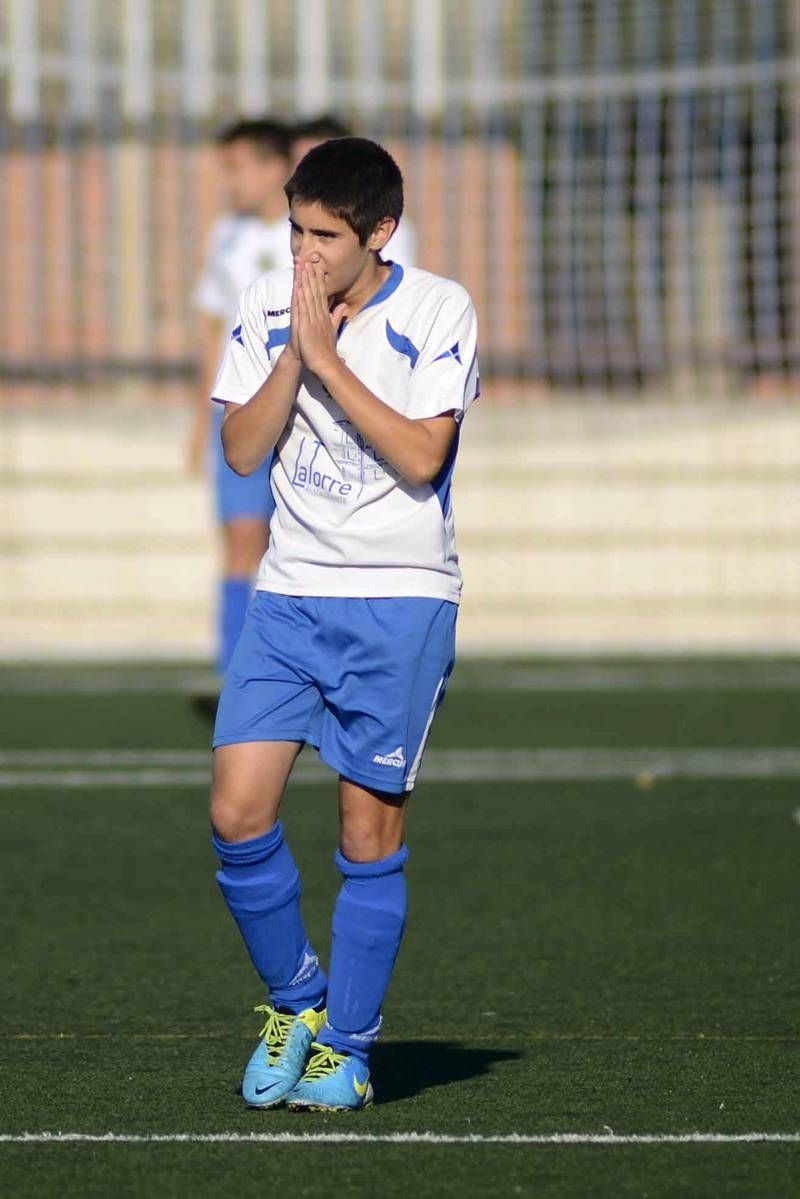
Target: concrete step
[630, 526]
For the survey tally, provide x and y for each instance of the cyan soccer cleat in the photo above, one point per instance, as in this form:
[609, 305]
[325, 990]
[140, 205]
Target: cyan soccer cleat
[280, 1056]
[333, 1082]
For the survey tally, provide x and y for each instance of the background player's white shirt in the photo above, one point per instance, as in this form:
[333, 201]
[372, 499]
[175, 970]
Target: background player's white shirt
[240, 248]
[346, 523]
[402, 245]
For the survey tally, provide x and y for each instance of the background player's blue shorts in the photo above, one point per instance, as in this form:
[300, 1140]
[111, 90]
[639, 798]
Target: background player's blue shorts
[235, 495]
[360, 679]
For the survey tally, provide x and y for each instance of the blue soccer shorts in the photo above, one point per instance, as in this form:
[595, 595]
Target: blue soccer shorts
[359, 679]
[237, 495]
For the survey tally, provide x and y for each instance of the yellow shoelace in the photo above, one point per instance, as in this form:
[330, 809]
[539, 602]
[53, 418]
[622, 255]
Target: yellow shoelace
[275, 1031]
[323, 1062]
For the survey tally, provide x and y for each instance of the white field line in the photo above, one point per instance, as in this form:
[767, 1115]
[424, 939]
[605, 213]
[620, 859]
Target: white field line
[103, 779]
[189, 768]
[90, 758]
[399, 1138]
[630, 677]
[568, 676]
[108, 682]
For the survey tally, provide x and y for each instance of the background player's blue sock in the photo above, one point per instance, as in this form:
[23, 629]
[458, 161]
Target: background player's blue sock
[233, 600]
[261, 886]
[368, 923]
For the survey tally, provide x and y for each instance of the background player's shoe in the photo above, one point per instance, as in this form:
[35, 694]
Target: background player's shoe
[280, 1056]
[333, 1082]
[205, 705]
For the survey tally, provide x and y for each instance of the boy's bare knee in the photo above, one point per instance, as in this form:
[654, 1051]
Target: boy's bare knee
[236, 819]
[364, 845]
[246, 539]
[371, 822]
[225, 816]
[248, 785]
[365, 839]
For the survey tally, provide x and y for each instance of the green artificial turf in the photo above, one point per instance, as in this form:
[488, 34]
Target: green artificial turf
[581, 956]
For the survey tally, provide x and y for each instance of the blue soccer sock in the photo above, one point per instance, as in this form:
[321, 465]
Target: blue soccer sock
[234, 597]
[261, 886]
[368, 923]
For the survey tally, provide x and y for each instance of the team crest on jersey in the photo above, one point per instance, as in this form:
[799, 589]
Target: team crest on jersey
[315, 470]
[344, 470]
[356, 458]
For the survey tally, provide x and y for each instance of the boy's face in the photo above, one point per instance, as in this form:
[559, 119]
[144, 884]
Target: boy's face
[253, 176]
[317, 236]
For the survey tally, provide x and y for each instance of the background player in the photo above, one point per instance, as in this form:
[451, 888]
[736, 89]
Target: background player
[251, 238]
[359, 373]
[306, 135]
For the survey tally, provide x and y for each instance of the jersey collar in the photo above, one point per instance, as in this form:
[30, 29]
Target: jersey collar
[388, 287]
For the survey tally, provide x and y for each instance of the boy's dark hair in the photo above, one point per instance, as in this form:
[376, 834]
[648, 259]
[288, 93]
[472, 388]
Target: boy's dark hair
[267, 135]
[354, 179]
[323, 128]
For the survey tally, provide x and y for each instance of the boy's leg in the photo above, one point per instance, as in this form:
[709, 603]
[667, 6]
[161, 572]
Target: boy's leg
[369, 917]
[261, 887]
[244, 507]
[378, 714]
[258, 876]
[245, 539]
[368, 923]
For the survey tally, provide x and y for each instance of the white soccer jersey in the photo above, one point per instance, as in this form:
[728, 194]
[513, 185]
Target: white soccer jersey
[346, 523]
[402, 245]
[240, 248]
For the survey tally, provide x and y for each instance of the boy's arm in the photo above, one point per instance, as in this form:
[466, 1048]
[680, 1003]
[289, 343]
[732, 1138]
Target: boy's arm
[251, 427]
[250, 431]
[417, 449]
[210, 336]
[209, 300]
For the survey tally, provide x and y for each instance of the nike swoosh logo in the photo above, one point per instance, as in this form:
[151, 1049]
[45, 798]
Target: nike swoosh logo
[263, 1090]
[360, 1087]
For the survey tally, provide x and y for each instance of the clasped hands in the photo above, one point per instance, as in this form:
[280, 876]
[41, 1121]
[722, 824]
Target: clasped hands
[314, 326]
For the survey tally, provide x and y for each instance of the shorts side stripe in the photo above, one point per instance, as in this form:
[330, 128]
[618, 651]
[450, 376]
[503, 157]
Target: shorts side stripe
[411, 778]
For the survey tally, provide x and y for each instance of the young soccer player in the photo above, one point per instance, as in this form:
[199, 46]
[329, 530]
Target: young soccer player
[359, 373]
[252, 238]
[315, 130]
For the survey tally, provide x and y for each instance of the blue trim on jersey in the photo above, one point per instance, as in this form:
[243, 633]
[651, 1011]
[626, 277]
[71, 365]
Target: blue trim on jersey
[453, 352]
[473, 367]
[278, 337]
[403, 344]
[236, 334]
[272, 458]
[391, 285]
[442, 481]
[388, 288]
